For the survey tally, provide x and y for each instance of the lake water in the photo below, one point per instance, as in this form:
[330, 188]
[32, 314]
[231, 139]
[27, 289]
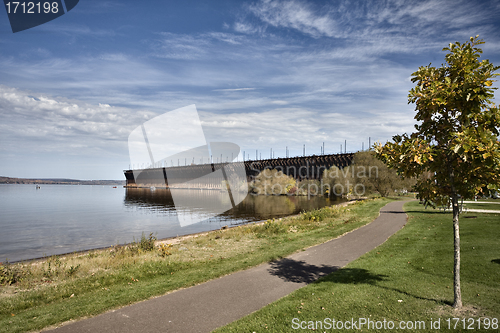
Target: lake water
[57, 219]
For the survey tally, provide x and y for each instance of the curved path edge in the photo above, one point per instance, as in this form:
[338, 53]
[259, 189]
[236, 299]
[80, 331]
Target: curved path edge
[207, 306]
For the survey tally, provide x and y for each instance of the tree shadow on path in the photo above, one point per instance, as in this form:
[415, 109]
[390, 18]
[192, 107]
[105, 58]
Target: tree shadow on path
[355, 276]
[301, 272]
[391, 212]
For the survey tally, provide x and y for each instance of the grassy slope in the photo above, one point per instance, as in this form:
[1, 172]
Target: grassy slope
[410, 277]
[139, 277]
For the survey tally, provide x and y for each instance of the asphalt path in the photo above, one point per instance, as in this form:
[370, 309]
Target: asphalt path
[207, 306]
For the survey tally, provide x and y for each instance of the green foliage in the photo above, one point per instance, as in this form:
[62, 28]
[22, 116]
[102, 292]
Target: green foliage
[456, 140]
[272, 182]
[10, 274]
[365, 176]
[375, 176]
[72, 269]
[54, 267]
[456, 144]
[146, 244]
[49, 272]
[337, 182]
[270, 227]
[316, 215]
[275, 182]
[92, 254]
[274, 226]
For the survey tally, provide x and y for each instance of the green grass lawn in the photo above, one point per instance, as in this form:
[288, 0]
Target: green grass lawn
[487, 200]
[480, 205]
[71, 287]
[408, 278]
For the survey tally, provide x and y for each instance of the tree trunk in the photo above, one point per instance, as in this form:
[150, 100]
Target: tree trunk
[457, 303]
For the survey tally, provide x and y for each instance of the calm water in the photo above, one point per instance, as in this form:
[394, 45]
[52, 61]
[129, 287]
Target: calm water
[58, 219]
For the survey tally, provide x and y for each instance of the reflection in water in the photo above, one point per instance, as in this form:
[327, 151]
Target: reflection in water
[252, 208]
[145, 197]
[265, 207]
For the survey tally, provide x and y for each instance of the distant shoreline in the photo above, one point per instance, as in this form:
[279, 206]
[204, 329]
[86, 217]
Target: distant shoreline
[60, 181]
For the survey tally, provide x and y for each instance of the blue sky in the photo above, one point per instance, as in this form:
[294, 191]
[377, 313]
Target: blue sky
[263, 74]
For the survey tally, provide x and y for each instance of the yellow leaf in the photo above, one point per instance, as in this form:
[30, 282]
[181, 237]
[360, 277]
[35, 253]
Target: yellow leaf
[488, 83]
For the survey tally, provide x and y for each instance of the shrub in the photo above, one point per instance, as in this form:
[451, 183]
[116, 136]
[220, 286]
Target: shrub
[54, 267]
[270, 227]
[272, 182]
[146, 244]
[72, 270]
[92, 254]
[316, 215]
[165, 249]
[337, 182]
[10, 274]
[365, 176]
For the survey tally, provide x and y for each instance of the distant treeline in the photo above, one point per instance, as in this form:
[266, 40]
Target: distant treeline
[8, 180]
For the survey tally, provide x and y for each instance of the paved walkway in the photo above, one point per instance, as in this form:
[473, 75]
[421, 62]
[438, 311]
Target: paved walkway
[213, 304]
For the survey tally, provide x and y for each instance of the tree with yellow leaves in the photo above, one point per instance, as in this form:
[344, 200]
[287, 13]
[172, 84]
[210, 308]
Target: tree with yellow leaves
[456, 143]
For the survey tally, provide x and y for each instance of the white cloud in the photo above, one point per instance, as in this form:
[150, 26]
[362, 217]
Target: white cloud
[278, 102]
[38, 121]
[293, 127]
[368, 19]
[182, 47]
[192, 47]
[109, 77]
[293, 14]
[248, 28]
[75, 30]
[226, 37]
[235, 89]
[44, 123]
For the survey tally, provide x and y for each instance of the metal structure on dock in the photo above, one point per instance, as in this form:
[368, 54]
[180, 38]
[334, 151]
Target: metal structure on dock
[303, 167]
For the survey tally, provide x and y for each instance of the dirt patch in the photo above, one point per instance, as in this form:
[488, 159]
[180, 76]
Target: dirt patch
[466, 311]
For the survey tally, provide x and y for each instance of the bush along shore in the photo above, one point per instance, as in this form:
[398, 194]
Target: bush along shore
[366, 176]
[44, 293]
